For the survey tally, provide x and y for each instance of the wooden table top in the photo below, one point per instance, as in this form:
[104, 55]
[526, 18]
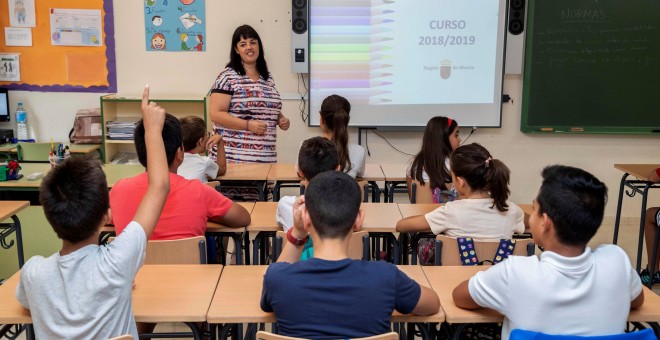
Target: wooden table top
[246, 172]
[394, 172]
[238, 297]
[649, 311]
[416, 273]
[641, 171]
[220, 228]
[408, 210]
[174, 293]
[8, 147]
[443, 280]
[113, 173]
[116, 172]
[10, 208]
[11, 312]
[263, 217]
[372, 172]
[380, 217]
[283, 172]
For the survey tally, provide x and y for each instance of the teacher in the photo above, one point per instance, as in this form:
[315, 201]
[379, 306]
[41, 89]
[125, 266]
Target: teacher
[245, 105]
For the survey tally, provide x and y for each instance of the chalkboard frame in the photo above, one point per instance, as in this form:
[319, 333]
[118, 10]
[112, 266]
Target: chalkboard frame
[527, 111]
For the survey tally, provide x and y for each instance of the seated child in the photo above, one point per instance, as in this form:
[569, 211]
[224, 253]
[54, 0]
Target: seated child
[482, 212]
[431, 164]
[196, 141]
[84, 291]
[650, 229]
[571, 289]
[316, 155]
[357, 297]
[190, 203]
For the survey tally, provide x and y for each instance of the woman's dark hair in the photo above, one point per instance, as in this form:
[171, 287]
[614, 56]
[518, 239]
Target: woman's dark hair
[335, 111]
[436, 149]
[476, 165]
[235, 62]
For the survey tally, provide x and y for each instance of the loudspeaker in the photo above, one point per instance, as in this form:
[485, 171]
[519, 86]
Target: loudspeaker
[300, 36]
[515, 39]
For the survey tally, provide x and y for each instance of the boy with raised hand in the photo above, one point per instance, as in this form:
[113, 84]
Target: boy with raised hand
[571, 289]
[331, 296]
[84, 290]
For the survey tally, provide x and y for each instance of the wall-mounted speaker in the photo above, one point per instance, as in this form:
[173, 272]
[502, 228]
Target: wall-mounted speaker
[299, 36]
[515, 39]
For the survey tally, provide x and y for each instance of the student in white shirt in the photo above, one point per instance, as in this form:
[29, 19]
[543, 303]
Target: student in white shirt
[571, 289]
[482, 212]
[196, 141]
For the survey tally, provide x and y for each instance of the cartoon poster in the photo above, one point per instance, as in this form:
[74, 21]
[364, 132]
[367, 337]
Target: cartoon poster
[21, 13]
[175, 25]
[10, 69]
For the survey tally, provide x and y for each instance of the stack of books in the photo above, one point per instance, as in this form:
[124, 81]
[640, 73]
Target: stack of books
[121, 129]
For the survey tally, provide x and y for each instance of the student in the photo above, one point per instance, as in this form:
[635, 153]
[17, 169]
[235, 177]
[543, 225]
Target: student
[571, 289]
[431, 164]
[650, 228]
[84, 291]
[482, 212]
[356, 297]
[196, 141]
[316, 155]
[190, 203]
[335, 111]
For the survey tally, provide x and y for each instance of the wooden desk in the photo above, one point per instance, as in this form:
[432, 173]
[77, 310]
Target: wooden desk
[236, 234]
[73, 148]
[380, 221]
[641, 186]
[372, 174]
[264, 223]
[444, 279]
[395, 174]
[256, 174]
[408, 210]
[237, 299]
[9, 209]
[11, 311]
[284, 175]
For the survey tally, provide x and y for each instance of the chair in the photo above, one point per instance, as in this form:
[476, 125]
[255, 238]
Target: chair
[446, 250]
[262, 335]
[358, 247]
[519, 334]
[361, 184]
[190, 250]
[36, 152]
[419, 193]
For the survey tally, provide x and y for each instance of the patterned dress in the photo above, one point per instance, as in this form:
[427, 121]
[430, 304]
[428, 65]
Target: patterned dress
[258, 100]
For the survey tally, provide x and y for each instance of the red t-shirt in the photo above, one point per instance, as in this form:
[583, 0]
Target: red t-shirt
[189, 205]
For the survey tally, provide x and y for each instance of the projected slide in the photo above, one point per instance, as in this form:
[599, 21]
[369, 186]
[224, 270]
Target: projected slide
[414, 52]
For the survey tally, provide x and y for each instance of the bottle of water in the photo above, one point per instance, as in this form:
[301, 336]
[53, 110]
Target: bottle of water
[21, 122]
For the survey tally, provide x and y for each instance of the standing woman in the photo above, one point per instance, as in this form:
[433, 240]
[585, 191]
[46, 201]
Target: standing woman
[245, 105]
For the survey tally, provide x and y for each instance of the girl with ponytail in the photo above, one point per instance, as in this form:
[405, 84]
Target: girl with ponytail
[483, 211]
[335, 111]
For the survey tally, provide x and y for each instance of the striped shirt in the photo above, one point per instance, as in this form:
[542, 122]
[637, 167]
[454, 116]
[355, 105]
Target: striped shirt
[258, 100]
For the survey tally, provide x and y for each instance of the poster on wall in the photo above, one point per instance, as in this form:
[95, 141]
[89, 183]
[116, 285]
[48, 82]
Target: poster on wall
[21, 13]
[10, 69]
[76, 27]
[175, 25]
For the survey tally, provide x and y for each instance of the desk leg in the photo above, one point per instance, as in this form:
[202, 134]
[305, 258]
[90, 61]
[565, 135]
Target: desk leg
[246, 247]
[640, 244]
[276, 191]
[617, 219]
[237, 247]
[19, 240]
[29, 332]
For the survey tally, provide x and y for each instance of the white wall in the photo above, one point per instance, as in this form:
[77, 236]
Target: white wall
[175, 73]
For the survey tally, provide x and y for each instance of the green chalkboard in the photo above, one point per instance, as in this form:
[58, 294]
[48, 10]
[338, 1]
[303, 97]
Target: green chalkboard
[592, 66]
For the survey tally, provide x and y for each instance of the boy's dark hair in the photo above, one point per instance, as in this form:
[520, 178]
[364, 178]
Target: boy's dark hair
[193, 129]
[333, 201]
[482, 172]
[235, 62]
[75, 198]
[172, 138]
[317, 155]
[575, 202]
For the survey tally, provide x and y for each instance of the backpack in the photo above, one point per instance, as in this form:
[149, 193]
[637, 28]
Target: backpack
[469, 255]
[86, 127]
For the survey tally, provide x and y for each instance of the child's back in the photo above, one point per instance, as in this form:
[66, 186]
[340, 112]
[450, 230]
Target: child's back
[66, 294]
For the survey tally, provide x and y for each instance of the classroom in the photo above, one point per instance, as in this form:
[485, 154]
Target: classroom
[191, 75]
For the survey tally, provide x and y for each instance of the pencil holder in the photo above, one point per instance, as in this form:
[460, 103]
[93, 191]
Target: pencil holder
[55, 161]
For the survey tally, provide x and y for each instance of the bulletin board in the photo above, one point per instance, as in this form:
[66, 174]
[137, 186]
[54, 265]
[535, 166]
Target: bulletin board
[44, 67]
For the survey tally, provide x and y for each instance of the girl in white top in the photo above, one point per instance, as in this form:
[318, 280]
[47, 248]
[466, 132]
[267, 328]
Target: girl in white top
[334, 112]
[431, 164]
[482, 212]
